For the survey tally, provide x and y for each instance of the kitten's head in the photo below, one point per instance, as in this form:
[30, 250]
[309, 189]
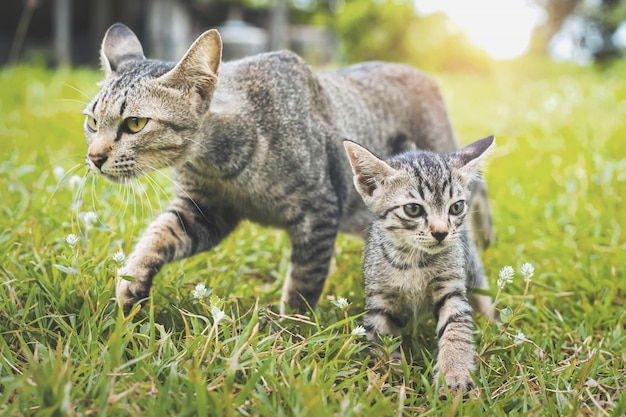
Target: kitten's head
[147, 112]
[422, 198]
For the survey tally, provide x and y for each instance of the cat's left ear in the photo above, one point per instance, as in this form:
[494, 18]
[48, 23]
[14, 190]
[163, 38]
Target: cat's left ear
[119, 45]
[197, 71]
[470, 157]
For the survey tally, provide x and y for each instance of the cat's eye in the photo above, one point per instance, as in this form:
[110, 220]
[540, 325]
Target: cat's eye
[135, 124]
[413, 210]
[92, 124]
[457, 208]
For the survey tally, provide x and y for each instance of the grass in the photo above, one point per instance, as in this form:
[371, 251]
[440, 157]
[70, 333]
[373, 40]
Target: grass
[557, 183]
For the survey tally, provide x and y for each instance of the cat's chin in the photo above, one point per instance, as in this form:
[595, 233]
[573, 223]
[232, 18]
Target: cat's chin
[435, 248]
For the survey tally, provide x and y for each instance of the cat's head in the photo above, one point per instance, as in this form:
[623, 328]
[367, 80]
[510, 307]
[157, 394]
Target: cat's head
[422, 198]
[147, 112]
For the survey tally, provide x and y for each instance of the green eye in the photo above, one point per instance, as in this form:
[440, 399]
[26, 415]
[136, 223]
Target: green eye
[92, 124]
[135, 124]
[457, 208]
[413, 210]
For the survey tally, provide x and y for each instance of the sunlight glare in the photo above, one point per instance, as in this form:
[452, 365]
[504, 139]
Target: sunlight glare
[502, 28]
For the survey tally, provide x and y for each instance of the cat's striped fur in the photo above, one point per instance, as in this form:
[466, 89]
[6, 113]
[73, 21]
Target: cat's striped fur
[418, 253]
[259, 139]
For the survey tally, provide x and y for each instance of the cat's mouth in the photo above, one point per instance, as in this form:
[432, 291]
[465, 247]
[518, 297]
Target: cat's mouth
[436, 247]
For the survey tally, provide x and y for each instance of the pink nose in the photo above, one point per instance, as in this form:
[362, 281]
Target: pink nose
[98, 159]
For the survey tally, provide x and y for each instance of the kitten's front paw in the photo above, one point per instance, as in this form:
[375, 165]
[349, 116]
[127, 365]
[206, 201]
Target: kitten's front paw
[129, 293]
[457, 381]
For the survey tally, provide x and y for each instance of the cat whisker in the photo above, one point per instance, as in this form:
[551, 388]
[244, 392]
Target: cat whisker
[66, 175]
[78, 90]
[72, 100]
[178, 187]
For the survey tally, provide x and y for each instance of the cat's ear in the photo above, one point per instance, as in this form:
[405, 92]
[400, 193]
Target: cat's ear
[120, 44]
[370, 172]
[197, 70]
[470, 157]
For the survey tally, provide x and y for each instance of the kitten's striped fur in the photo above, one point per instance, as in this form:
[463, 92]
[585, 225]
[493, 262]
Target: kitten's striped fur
[418, 253]
[259, 139]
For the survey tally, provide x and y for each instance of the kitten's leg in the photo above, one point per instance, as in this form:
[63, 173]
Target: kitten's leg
[476, 279]
[453, 313]
[312, 244]
[381, 320]
[182, 230]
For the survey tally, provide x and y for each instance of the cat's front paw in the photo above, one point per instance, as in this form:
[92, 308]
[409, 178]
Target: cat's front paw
[457, 381]
[129, 293]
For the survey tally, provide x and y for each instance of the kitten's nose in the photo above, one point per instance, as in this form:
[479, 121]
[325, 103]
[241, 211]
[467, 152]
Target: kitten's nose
[439, 235]
[98, 159]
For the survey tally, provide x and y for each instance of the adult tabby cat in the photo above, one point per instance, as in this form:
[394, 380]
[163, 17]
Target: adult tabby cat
[418, 253]
[260, 141]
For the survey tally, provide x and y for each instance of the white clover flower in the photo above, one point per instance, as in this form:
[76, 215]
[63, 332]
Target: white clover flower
[527, 271]
[341, 302]
[58, 172]
[505, 276]
[217, 314]
[200, 292]
[122, 271]
[519, 338]
[75, 181]
[89, 218]
[359, 331]
[119, 257]
[71, 239]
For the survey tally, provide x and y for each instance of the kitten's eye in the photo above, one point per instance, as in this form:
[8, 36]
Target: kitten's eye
[457, 208]
[92, 124]
[135, 124]
[413, 210]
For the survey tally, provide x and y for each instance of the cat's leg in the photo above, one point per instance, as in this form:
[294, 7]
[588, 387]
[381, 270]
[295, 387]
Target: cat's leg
[482, 224]
[183, 230]
[455, 359]
[312, 245]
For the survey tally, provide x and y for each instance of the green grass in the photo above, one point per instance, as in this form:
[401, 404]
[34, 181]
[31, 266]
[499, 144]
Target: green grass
[557, 183]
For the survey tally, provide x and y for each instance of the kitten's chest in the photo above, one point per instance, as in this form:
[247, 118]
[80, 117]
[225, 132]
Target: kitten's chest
[412, 287]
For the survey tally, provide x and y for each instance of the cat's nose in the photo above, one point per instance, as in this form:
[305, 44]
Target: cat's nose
[439, 235]
[98, 159]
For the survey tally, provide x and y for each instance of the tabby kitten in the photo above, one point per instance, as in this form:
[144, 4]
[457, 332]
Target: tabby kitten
[258, 138]
[418, 254]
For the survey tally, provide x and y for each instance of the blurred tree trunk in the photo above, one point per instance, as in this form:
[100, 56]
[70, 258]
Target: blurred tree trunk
[62, 31]
[279, 26]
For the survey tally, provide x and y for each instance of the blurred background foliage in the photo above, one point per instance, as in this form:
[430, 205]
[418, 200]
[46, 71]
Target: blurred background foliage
[589, 31]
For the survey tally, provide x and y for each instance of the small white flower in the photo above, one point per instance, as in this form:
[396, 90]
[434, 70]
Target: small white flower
[200, 292]
[75, 181]
[58, 172]
[119, 257]
[505, 276]
[122, 271]
[519, 338]
[89, 218]
[359, 331]
[217, 313]
[527, 271]
[341, 302]
[71, 239]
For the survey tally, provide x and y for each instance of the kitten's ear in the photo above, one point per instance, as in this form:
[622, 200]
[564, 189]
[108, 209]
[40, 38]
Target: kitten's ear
[197, 71]
[369, 171]
[119, 45]
[470, 157]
